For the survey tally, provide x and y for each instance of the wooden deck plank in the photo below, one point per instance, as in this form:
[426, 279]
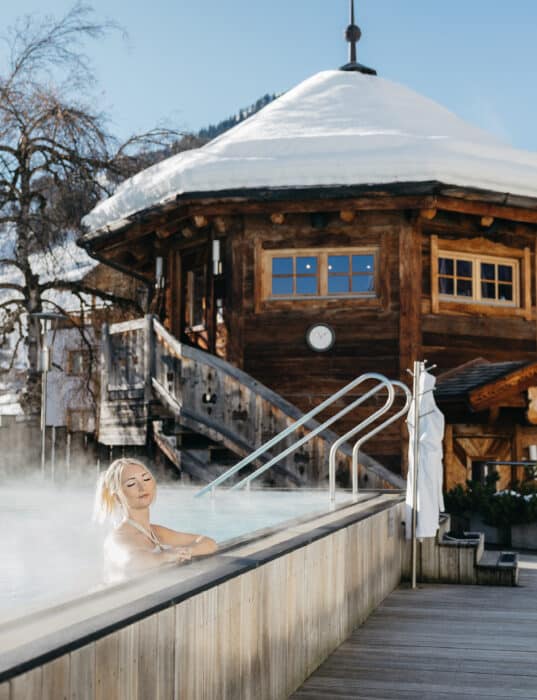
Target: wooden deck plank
[439, 642]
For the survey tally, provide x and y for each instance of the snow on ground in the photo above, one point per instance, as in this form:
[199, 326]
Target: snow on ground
[9, 400]
[336, 128]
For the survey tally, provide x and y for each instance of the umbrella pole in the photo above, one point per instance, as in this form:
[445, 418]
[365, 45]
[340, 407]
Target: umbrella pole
[418, 368]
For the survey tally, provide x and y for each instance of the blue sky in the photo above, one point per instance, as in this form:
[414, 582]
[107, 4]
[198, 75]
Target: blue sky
[188, 63]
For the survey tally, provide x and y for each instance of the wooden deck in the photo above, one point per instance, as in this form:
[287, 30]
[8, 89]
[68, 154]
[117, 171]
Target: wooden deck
[439, 642]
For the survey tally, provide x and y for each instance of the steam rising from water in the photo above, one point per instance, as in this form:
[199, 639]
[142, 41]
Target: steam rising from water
[52, 551]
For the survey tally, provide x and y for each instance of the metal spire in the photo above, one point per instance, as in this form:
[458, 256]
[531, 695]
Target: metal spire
[352, 35]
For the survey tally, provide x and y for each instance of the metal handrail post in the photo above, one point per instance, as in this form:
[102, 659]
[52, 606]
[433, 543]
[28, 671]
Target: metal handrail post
[418, 369]
[375, 431]
[246, 481]
[351, 433]
[290, 429]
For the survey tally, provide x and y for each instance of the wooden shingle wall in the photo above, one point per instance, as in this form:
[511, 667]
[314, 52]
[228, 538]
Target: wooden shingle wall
[258, 635]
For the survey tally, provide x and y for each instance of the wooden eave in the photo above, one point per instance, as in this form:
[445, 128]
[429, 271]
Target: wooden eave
[392, 196]
[503, 391]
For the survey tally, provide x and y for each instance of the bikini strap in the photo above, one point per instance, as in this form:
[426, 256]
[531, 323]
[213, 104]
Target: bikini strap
[148, 533]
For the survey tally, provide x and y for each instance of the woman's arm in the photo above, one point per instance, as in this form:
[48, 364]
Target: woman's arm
[129, 555]
[199, 545]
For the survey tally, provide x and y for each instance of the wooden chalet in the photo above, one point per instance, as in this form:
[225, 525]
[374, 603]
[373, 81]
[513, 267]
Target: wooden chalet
[491, 417]
[351, 226]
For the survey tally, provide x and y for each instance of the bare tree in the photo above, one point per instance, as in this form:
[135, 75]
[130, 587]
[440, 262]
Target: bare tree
[57, 159]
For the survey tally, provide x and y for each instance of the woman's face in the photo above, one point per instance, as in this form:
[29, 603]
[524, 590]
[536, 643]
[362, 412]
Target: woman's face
[138, 486]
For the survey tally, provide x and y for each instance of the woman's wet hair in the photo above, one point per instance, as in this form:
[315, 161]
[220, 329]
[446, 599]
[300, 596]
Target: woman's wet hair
[109, 498]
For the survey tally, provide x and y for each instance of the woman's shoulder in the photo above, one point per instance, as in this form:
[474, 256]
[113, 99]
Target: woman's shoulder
[163, 531]
[120, 535]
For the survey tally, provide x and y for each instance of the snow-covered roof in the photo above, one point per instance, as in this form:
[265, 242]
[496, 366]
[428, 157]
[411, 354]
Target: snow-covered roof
[335, 129]
[65, 262]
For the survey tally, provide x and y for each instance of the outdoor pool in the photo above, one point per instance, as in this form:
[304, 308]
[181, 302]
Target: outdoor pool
[52, 551]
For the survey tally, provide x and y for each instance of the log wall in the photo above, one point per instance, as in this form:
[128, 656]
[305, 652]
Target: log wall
[385, 334]
[452, 337]
[367, 330]
[255, 635]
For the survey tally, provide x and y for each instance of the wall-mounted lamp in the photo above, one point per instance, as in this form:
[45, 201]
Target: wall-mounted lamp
[217, 262]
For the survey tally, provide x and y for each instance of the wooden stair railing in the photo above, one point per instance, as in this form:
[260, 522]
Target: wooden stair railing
[207, 395]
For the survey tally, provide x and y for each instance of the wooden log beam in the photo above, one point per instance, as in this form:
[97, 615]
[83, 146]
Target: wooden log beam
[277, 218]
[460, 452]
[479, 208]
[531, 413]
[347, 215]
[429, 213]
[371, 203]
[496, 393]
[221, 224]
[187, 232]
[200, 221]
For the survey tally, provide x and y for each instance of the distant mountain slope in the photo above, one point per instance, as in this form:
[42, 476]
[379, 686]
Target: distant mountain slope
[214, 130]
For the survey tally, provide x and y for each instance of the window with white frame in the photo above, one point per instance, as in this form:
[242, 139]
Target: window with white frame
[478, 278]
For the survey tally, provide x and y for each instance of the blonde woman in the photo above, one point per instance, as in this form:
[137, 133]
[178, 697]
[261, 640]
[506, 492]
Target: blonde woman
[127, 489]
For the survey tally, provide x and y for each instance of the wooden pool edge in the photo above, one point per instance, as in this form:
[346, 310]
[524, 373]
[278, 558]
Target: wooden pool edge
[32, 650]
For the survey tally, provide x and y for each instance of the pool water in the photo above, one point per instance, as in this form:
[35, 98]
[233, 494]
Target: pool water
[52, 551]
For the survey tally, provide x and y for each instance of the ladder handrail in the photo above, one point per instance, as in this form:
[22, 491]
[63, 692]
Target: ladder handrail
[246, 481]
[375, 431]
[290, 429]
[351, 433]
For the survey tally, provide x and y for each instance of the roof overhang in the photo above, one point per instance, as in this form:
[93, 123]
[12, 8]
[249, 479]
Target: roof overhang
[390, 196]
[497, 393]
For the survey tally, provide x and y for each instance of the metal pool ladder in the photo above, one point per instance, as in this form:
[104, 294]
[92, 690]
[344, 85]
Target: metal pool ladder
[382, 383]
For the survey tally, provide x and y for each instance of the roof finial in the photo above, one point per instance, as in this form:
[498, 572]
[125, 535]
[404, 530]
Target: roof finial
[352, 35]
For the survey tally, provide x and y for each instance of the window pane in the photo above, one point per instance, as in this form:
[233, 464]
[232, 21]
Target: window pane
[338, 263]
[488, 271]
[363, 263]
[305, 266]
[488, 290]
[282, 285]
[464, 268]
[445, 266]
[505, 273]
[505, 292]
[446, 285]
[306, 285]
[464, 288]
[338, 285]
[363, 283]
[282, 266]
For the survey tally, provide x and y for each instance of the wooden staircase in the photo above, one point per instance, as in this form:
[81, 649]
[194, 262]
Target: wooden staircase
[155, 388]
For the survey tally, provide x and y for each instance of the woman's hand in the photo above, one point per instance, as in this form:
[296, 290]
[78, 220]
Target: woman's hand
[183, 554]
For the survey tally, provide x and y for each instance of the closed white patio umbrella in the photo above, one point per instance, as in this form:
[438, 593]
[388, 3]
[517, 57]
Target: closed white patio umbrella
[427, 470]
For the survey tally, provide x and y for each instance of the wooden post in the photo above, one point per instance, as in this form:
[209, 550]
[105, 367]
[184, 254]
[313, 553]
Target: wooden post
[535, 283]
[410, 287]
[526, 284]
[434, 275]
